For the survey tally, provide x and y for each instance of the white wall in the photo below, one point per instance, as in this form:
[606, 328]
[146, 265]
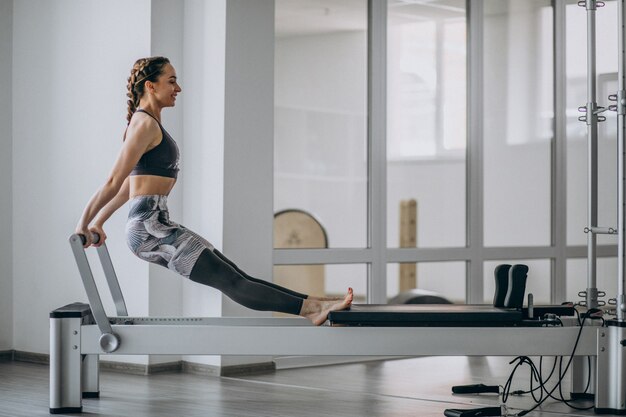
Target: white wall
[67, 128]
[6, 175]
[69, 117]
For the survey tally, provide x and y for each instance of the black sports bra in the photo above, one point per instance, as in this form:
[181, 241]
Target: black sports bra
[162, 160]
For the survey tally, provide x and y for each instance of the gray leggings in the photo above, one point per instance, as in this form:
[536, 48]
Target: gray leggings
[153, 237]
[217, 271]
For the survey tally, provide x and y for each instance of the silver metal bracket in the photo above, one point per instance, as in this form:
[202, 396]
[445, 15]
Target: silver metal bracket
[593, 109]
[601, 230]
[593, 295]
[620, 100]
[591, 4]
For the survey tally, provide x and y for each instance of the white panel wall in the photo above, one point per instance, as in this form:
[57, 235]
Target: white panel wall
[69, 117]
[6, 174]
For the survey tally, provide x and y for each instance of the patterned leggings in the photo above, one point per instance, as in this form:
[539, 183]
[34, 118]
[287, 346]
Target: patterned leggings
[153, 237]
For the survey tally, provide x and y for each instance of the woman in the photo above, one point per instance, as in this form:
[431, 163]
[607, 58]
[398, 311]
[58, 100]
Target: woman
[145, 172]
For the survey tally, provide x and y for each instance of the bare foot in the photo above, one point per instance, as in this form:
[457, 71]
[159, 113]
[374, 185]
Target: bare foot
[313, 298]
[317, 310]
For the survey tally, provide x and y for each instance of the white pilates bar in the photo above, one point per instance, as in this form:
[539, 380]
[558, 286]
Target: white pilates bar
[277, 339]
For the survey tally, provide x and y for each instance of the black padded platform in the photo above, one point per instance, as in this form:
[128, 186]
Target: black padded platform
[424, 315]
[71, 310]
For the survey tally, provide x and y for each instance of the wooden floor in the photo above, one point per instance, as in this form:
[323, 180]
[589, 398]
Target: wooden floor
[393, 388]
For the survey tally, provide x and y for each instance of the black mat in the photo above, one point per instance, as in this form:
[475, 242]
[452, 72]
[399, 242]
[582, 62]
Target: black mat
[421, 315]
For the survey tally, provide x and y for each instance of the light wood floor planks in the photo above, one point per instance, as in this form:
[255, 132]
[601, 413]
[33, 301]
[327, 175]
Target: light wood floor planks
[394, 388]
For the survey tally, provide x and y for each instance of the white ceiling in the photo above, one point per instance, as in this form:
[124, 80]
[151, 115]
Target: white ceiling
[311, 17]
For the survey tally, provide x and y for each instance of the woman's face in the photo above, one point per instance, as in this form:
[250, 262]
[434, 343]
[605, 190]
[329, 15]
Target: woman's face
[166, 87]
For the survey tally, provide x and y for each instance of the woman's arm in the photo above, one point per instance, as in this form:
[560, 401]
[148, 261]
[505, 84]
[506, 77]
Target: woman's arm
[141, 135]
[107, 211]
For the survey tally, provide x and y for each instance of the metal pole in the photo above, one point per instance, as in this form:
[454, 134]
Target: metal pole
[592, 151]
[377, 163]
[621, 113]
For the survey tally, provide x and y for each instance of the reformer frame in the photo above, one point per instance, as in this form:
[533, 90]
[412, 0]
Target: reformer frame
[80, 332]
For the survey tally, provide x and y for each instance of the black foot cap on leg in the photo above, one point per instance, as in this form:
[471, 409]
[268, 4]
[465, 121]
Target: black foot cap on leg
[66, 410]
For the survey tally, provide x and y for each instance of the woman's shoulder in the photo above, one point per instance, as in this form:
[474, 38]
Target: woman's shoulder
[144, 128]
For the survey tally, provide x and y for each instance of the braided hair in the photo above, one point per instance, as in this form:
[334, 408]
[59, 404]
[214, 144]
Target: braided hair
[145, 69]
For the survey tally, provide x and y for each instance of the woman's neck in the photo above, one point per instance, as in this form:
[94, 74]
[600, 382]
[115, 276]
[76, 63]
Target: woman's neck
[155, 111]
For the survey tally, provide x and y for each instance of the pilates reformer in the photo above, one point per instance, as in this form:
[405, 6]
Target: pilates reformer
[80, 332]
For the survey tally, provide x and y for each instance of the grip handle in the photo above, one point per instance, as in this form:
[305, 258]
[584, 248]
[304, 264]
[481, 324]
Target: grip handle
[95, 237]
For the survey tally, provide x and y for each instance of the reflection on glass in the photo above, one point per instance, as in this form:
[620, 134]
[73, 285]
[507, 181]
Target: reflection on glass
[606, 278]
[426, 121]
[537, 282]
[445, 279]
[517, 122]
[320, 137]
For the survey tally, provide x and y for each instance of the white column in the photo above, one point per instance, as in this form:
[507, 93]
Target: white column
[165, 288]
[249, 137]
[6, 175]
[249, 145]
[202, 174]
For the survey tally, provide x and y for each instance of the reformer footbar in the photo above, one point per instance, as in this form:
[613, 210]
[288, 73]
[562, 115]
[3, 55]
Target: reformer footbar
[109, 341]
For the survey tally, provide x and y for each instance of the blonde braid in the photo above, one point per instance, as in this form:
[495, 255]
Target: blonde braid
[145, 69]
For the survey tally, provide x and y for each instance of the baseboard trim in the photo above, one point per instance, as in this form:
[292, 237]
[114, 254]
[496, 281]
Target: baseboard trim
[6, 355]
[231, 370]
[141, 369]
[151, 369]
[40, 358]
[293, 362]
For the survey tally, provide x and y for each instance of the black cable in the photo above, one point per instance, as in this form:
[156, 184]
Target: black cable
[587, 315]
[588, 373]
[536, 375]
[567, 402]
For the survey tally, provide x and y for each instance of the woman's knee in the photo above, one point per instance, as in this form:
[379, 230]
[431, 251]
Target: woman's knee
[210, 269]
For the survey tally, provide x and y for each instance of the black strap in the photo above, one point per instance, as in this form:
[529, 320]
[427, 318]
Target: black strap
[143, 111]
[473, 412]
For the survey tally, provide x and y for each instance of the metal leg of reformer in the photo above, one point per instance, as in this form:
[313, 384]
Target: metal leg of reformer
[71, 372]
[91, 376]
[611, 389]
[583, 377]
[65, 366]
